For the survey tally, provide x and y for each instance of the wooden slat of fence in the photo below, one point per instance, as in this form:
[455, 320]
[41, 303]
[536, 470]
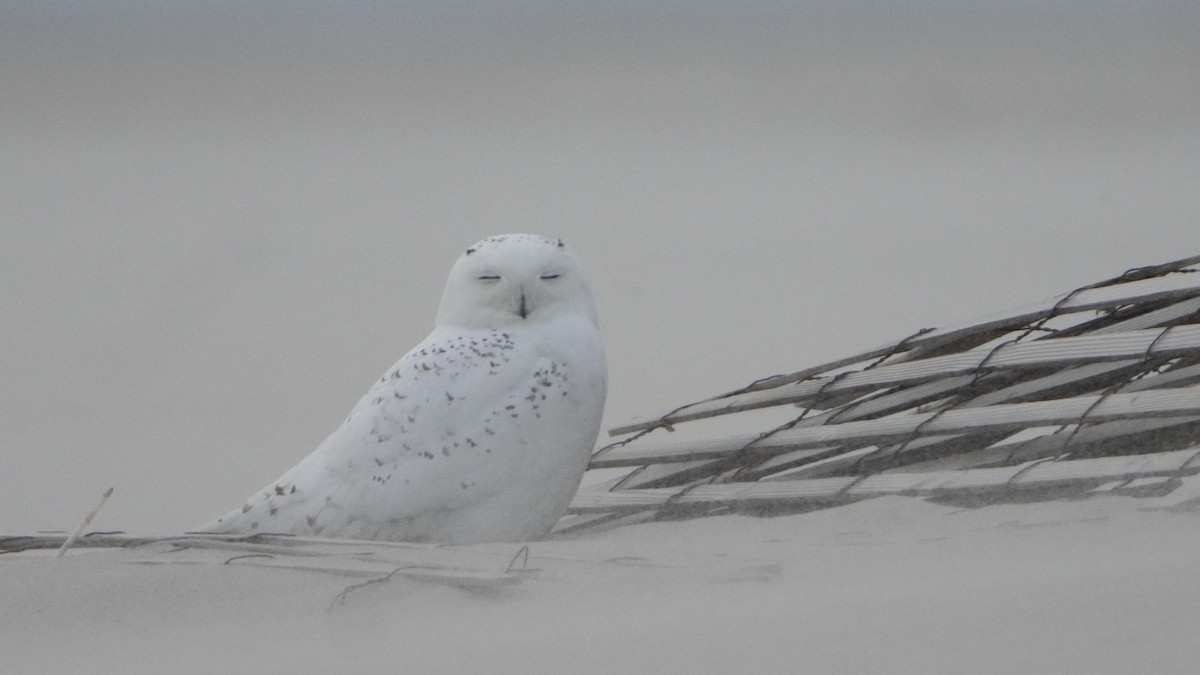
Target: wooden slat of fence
[842, 488]
[893, 455]
[659, 474]
[662, 474]
[1177, 285]
[1000, 417]
[1176, 377]
[930, 390]
[673, 473]
[1020, 355]
[1051, 445]
[709, 448]
[621, 500]
[1065, 381]
[1137, 317]
[1040, 447]
[1170, 314]
[1040, 387]
[1010, 416]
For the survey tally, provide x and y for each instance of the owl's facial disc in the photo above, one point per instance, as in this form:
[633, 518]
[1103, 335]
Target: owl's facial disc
[514, 279]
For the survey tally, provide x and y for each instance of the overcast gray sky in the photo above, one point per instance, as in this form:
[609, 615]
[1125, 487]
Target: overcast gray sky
[221, 221]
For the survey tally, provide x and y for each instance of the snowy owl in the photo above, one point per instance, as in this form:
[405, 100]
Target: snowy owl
[480, 433]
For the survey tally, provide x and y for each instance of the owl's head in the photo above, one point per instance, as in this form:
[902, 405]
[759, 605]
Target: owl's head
[513, 279]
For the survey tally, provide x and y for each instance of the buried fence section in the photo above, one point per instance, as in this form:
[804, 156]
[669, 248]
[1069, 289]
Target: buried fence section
[1099, 384]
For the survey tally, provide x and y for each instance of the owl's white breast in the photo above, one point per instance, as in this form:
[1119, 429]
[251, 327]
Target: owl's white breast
[471, 436]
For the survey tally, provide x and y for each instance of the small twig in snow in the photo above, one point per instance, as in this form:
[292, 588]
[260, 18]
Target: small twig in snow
[79, 530]
[247, 555]
[341, 597]
[523, 556]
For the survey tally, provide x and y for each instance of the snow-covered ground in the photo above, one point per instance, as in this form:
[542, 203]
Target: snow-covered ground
[891, 585]
[219, 222]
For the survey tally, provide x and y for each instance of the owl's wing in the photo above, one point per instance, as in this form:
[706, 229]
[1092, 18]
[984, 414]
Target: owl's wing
[456, 420]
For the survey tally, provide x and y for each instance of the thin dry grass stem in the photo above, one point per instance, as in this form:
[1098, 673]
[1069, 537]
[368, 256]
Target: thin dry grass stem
[86, 521]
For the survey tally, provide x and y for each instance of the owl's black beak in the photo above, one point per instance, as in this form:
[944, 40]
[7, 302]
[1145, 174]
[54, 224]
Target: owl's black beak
[524, 310]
